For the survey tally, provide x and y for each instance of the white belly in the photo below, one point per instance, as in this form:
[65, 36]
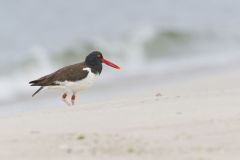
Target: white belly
[82, 84]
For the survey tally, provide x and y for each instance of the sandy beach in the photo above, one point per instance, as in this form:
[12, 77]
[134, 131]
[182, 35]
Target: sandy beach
[173, 93]
[195, 119]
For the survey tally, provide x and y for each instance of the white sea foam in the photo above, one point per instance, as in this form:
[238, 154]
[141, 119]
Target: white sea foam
[147, 50]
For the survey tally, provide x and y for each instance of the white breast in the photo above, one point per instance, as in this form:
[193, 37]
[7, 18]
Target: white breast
[82, 84]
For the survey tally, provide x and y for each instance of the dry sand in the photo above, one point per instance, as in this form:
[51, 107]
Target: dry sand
[196, 119]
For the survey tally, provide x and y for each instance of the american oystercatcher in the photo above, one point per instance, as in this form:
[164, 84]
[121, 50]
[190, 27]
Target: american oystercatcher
[75, 77]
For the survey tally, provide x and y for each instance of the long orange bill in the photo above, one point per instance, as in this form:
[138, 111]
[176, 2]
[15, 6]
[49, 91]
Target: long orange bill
[110, 64]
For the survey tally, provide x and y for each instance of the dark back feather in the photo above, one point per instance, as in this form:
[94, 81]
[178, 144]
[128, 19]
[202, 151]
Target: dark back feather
[72, 73]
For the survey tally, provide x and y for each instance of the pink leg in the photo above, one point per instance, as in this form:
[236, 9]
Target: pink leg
[73, 98]
[64, 96]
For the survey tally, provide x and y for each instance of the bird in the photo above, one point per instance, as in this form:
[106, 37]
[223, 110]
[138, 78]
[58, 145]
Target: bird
[75, 77]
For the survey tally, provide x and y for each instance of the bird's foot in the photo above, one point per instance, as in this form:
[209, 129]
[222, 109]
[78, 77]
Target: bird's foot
[68, 103]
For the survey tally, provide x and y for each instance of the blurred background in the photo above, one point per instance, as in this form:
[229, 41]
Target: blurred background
[153, 41]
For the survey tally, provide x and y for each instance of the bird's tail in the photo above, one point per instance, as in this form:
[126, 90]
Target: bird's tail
[37, 91]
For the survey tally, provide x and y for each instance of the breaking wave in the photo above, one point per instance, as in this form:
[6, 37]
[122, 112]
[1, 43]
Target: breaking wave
[159, 51]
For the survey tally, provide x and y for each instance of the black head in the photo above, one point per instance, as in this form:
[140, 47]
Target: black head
[94, 61]
[94, 58]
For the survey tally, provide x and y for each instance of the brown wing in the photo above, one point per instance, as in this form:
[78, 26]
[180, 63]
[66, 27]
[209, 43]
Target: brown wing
[72, 73]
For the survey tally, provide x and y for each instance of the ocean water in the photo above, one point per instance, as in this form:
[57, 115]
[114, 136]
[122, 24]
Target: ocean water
[153, 37]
